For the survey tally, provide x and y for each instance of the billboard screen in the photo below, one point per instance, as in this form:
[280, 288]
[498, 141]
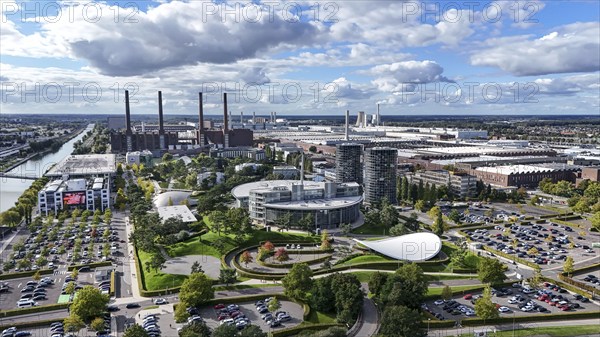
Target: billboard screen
[74, 198]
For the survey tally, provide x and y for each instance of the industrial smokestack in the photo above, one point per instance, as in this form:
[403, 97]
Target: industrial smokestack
[225, 122]
[127, 113]
[275, 116]
[378, 115]
[200, 120]
[161, 126]
[254, 117]
[347, 125]
[241, 117]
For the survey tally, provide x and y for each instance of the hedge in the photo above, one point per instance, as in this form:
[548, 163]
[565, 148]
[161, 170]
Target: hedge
[25, 274]
[91, 265]
[570, 224]
[33, 310]
[586, 269]
[574, 285]
[531, 318]
[304, 327]
[31, 324]
[290, 265]
[511, 257]
[112, 283]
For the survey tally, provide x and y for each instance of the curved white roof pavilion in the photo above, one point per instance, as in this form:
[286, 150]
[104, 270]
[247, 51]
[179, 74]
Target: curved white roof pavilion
[410, 247]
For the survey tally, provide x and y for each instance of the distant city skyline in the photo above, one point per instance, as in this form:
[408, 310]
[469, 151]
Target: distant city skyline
[298, 58]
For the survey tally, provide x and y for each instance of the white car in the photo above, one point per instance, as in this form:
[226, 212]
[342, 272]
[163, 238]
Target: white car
[512, 301]
[504, 309]
[439, 302]
[160, 301]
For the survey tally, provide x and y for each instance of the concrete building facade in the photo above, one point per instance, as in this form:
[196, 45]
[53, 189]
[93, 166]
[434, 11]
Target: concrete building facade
[348, 167]
[461, 184]
[380, 174]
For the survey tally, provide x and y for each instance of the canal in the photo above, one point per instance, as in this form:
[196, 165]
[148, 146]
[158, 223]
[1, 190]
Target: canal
[11, 188]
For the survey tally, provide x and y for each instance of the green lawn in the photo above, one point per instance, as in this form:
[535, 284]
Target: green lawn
[365, 259]
[320, 317]
[557, 331]
[437, 291]
[157, 280]
[205, 244]
[371, 230]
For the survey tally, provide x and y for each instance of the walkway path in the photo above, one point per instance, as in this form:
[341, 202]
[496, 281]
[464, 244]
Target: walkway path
[510, 326]
[370, 319]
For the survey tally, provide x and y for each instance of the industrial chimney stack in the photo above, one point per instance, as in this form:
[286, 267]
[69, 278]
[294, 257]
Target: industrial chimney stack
[161, 125]
[225, 122]
[347, 126]
[128, 135]
[200, 120]
[378, 116]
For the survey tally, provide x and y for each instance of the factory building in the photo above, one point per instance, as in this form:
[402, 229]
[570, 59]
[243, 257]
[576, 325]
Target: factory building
[461, 184]
[525, 175]
[160, 138]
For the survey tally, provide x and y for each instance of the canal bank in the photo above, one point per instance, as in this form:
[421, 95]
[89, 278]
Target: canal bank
[12, 188]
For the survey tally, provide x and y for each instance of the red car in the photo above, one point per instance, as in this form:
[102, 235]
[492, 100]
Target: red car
[564, 308]
[219, 306]
[222, 317]
[468, 296]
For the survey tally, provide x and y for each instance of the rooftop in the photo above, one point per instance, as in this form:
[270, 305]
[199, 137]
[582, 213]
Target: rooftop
[243, 190]
[178, 211]
[515, 169]
[412, 247]
[317, 204]
[87, 164]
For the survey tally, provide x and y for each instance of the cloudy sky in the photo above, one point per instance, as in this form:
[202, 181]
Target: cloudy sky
[308, 58]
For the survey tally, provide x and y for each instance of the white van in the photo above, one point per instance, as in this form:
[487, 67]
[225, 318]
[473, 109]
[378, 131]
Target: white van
[26, 303]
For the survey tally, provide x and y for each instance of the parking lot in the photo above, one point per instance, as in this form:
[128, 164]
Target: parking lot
[56, 243]
[57, 327]
[294, 310]
[9, 298]
[547, 244]
[513, 301]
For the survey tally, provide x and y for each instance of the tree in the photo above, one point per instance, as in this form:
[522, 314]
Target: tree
[37, 276]
[252, 331]
[484, 307]
[446, 293]
[217, 221]
[398, 230]
[388, 214]
[407, 286]
[532, 251]
[297, 283]
[281, 255]
[197, 329]
[156, 262]
[535, 200]
[491, 271]
[412, 222]
[274, 304]
[284, 221]
[10, 218]
[167, 157]
[420, 205]
[454, 215]
[246, 258]
[73, 323]
[135, 331]
[376, 282]
[97, 324]
[227, 276]
[196, 267]
[181, 314]
[568, 266]
[307, 222]
[401, 321]
[438, 226]
[107, 216]
[536, 279]
[312, 149]
[225, 330]
[595, 220]
[325, 244]
[70, 288]
[89, 303]
[196, 290]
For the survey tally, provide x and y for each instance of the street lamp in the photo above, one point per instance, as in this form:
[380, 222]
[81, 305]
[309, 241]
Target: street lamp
[428, 321]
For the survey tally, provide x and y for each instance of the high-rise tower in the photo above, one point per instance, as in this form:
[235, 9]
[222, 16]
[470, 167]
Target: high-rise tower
[380, 174]
[348, 167]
